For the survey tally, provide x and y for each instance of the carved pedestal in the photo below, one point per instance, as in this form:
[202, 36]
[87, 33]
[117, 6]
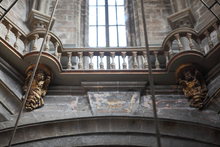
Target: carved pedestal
[193, 84]
[38, 87]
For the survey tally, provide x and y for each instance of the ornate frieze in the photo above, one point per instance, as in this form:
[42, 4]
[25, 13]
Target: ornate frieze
[39, 86]
[193, 84]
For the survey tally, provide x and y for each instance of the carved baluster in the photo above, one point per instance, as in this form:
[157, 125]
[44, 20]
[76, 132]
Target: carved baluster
[56, 45]
[9, 27]
[167, 57]
[59, 57]
[16, 41]
[25, 47]
[101, 65]
[135, 63]
[189, 37]
[112, 65]
[91, 57]
[157, 64]
[47, 47]
[145, 63]
[210, 43]
[36, 37]
[69, 65]
[80, 64]
[217, 31]
[124, 64]
[177, 36]
[169, 44]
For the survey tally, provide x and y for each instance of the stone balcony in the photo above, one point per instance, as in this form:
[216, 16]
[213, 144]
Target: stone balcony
[181, 46]
[98, 91]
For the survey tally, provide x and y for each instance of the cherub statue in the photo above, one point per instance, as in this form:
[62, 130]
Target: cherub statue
[38, 89]
[194, 86]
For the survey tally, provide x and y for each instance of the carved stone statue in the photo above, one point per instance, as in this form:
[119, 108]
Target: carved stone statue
[39, 87]
[193, 85]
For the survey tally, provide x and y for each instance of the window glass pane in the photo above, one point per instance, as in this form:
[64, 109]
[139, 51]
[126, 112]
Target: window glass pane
[101, 36]
[92, 36]
[101, 15]
[121, 15]
[92, 15]
[101, 2]
[112, 15]
[92, 2]
[120, 2]
[122, 36]
[113, 36]
[111, 2]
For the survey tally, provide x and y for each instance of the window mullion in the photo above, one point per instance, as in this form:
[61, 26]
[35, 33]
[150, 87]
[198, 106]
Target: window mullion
[107, 23]
[107, 31]
[97, 19]
[116, 23]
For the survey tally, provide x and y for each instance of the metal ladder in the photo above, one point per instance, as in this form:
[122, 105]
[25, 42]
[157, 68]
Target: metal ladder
[6, 10]
[217, 2]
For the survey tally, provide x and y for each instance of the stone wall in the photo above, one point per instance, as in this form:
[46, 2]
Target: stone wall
[68, 21]
[69, 24]
[156, 12]
[113, 118]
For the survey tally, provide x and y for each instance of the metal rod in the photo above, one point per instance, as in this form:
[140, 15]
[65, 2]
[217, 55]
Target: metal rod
[32, 77]
[150, 77]
[213, 5]
[210, 9]
[3, 7]
[8, 10]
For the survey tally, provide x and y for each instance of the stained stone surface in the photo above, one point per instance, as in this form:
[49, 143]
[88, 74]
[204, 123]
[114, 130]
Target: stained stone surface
[114, 102]
[213, 86]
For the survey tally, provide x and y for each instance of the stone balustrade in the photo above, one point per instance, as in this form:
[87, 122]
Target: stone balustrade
[128, 58]
[183, 39]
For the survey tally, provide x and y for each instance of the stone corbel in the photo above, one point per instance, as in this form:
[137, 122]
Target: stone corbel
[193, 84]
[38, 21]
[39, 86]
[183, 18]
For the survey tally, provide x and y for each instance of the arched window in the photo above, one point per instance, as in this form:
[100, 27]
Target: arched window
[107, 23]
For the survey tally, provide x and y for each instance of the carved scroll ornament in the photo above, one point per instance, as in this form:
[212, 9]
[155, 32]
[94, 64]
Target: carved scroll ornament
[39, 86]
[193, 84]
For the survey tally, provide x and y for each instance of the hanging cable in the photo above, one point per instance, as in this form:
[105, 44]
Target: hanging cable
[7, 10]
[150, 78]
[33, 75]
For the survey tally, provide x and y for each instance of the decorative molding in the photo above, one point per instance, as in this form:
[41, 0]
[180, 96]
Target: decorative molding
[120, 85]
